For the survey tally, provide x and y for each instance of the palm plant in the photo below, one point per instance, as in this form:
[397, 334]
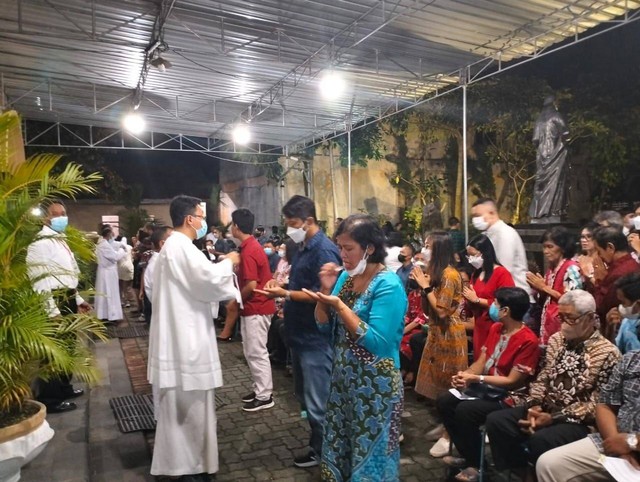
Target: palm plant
[31, 343]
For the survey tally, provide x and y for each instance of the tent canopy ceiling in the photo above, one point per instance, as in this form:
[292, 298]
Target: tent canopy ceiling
[88, 61]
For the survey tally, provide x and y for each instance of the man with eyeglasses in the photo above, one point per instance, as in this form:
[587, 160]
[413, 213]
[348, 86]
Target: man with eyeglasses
[561, 403]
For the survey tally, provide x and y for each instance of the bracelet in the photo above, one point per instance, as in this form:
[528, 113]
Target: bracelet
[287, 295]
[481, 378]
[477, 302]
[427, 290]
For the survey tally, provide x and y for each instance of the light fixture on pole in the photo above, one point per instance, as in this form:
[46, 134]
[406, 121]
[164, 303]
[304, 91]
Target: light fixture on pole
[160, 63]
[332, 84]
[241, 134]
[134, 123]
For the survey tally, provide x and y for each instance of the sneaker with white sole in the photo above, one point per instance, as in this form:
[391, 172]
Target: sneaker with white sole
[441, 448]
[249, 397]
[305, 461]
[255, 405]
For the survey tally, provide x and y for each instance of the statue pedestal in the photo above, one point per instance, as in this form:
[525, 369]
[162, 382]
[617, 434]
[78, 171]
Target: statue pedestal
[531, 235]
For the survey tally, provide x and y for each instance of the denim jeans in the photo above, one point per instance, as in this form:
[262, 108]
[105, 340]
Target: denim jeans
[312, 378]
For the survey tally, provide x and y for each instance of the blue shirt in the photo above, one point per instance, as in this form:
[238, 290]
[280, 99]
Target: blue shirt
[299, 319]
[403, 272]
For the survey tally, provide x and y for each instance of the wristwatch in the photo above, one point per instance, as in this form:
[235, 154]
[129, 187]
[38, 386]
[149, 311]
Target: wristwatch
[632, 441]
[427, 290]
[481, 378]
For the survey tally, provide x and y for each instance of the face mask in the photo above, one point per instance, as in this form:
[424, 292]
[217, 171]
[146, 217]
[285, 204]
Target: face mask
[636, 222]
[479, 223]
[200, 233]
[475, 261]
[427, 254]
[625, 231]
[296, 234]
[402, 258]
[494, 312]
[360, 267]
[281, 253]
[59, 224]
[268, 251]
[627, 312]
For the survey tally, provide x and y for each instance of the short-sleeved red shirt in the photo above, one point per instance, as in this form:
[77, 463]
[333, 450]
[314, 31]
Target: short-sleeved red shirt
[254, 266]
[522, 351]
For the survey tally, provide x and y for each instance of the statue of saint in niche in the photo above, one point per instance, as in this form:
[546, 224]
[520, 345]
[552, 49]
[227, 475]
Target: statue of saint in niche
[550, 190]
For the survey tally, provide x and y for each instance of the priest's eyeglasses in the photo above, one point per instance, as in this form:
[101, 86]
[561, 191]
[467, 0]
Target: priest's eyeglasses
[570, 320]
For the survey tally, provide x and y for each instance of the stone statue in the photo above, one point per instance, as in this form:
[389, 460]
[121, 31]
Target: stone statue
[549, 192]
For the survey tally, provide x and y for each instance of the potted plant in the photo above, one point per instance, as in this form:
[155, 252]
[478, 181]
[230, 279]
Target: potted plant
[33, 345]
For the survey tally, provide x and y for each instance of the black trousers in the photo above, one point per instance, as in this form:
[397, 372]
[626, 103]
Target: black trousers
[56, 390]
[417, 343]
[146, 309]
[463, 419]
[513, 449]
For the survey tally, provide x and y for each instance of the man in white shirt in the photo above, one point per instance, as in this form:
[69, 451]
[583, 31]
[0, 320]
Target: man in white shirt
[158, 238]
[506, 241]
[54, 271]
[184, 367]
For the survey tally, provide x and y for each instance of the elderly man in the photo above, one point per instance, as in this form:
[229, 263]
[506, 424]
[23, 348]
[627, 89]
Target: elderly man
[561, 402]
[184, 366]
[618, 427]
[54, 271]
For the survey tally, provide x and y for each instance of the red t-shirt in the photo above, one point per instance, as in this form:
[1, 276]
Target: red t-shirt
[500, 278]
[522, 351]
[254, 266]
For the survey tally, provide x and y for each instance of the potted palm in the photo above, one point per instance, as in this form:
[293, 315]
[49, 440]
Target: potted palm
[31, 343]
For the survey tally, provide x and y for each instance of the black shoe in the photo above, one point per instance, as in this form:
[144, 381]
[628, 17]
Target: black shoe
[306, 461]
[61, 407]
[249, 397]
[256, 405]
[74, 393]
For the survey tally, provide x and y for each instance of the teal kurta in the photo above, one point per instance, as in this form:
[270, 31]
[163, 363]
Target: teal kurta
[362, 424]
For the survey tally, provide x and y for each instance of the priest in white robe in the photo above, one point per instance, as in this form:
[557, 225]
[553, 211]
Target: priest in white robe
[108, 252]
[184, 367]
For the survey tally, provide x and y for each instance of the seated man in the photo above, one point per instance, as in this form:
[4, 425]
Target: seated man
[561, 402]
[618, 425]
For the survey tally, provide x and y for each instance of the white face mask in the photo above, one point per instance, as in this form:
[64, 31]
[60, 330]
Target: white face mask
[476, 261]
[625, 230]
[479, 223]
[296, 234]
[360, 267]
[627, 312]
[427, 254]
[636, 222]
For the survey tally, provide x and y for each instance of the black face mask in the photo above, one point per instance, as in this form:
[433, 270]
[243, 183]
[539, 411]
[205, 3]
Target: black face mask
[402, 258]
[413, 285]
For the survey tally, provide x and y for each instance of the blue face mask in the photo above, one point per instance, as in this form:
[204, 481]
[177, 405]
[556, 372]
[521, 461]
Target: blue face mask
[494, 312]
[268, 251]
[200, 233]
[59, 224]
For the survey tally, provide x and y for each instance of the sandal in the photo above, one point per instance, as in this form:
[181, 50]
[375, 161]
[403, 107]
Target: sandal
[470, 474]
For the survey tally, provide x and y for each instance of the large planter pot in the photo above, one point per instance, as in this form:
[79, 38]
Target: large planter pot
[22, 442]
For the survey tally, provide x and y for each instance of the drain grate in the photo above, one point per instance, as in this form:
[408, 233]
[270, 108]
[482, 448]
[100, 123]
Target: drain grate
[133, 412]
[128, 331]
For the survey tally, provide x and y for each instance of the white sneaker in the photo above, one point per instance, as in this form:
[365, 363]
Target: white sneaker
[441, 448]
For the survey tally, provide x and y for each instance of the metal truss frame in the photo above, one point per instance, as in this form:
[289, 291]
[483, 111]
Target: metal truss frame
[62, 135]
[436, 86]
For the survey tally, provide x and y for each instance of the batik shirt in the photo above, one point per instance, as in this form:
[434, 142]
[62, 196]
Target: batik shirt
[623, 391]
[572, 377]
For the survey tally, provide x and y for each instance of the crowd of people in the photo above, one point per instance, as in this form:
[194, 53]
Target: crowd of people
[542, 362]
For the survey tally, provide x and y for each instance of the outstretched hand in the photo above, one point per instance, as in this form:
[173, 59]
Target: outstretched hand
[329, 300]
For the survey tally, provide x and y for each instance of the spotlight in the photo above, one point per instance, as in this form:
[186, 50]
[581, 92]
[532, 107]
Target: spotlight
[241, 134]
[133, 123]
[161, 64]
[332, 85]
[37, 212]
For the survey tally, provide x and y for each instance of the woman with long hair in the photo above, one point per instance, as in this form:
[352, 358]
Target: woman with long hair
[559, 248]
[445, 352]
[487, 278]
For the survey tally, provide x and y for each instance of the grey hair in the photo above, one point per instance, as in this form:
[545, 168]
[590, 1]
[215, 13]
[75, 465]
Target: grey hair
[611, 218]
[581, 300]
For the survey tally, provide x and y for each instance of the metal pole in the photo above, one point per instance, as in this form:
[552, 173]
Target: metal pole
[349, 167]
[465, 197]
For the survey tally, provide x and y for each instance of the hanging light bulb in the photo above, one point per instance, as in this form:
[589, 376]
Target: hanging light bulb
[133, 123]
[241, 134]
[332, 85]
